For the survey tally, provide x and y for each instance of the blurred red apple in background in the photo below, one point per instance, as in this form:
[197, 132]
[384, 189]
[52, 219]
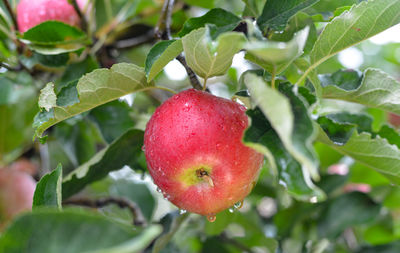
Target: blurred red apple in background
[33, 12]
[394, 119]
[16, 193]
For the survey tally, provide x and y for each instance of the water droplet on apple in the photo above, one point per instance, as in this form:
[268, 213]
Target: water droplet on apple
[166, 196]
[143, 148]
[211, 218]
[159, 190]
[182, 211]
[231, 210]
[238, 205]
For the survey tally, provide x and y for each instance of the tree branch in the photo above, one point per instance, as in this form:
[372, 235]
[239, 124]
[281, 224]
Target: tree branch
[192, 76]
[163, 28]
[6, 66]
[138, 218]
[223, 237]
[136, 41]
[12, 14]
[81, 16]
[163, 31]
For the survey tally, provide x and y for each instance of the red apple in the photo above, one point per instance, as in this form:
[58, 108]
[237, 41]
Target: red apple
[195, 155]
[33, 12]
[394, 119]
[16, 193]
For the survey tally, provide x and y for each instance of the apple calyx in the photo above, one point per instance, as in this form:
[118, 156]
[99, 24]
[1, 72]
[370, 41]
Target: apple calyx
[196, 175]
[203, 174]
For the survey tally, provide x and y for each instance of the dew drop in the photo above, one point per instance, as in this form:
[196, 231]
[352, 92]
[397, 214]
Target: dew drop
[166, 196]
[238, 205]
[314, 199]
[211, 218]
[143, 148]
[182, 211]
[159, 190]
[231, 210]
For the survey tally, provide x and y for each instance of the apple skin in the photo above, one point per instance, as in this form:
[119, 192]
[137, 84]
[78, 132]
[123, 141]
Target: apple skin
[194, 131]
[33, 12]
[16, 193]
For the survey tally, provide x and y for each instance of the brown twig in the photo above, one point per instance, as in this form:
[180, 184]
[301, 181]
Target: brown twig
[12, 14]
[80, 14]
[138, 218]
[135, 41]
[6, 66]
[163, 28]
[163, 31]
[192, 76]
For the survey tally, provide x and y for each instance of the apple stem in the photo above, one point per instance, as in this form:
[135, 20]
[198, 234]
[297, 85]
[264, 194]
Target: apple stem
[209, 180]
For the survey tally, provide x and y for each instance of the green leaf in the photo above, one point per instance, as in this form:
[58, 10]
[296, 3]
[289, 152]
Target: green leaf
[340, 126]
[17, 109]
[139, 193]
[211, 58]
[171, 223]
[125, 150]
[53, 33]
[92, 90]
[75, 70]
[113, 119]
[276, 56]
[208, 4]
[47, 97]
[48, 190]
[53, 50]
[249, 221]
[387, 248]
[380, 234]
[72, 231]
[295, 24]
[276, 13]
[289, 117]
[160, 55]
[220, 19]
[47, 60]
[351, 27]
[80, 139]
[374, 89]
[262, 137]
[347, 210]
[302, 65]
[253, 7]
[372, 150]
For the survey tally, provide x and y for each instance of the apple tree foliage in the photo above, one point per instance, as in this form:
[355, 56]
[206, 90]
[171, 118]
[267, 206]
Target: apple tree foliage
[77, 102]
